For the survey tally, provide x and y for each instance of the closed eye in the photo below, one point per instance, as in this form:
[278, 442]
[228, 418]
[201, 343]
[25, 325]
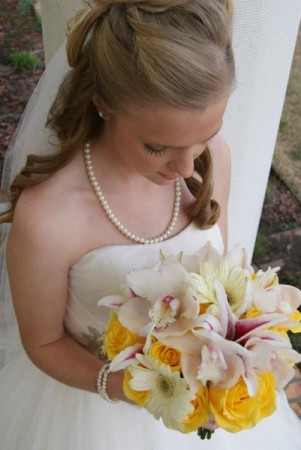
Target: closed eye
[157, 151]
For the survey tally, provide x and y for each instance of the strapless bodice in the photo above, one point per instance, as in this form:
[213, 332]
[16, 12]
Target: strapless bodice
[100, 272]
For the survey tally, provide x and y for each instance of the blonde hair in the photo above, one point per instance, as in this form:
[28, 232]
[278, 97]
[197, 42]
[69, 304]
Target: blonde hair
[175, 52]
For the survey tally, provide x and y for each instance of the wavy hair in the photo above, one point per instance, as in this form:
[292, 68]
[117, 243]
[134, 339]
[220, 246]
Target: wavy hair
[176, 52]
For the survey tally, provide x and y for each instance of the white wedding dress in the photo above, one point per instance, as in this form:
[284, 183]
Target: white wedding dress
[39, 413]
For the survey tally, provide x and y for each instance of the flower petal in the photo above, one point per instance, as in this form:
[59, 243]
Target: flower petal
[133, 314]
[245, 327]
[126, 357]
[112, 301]
[190, 365]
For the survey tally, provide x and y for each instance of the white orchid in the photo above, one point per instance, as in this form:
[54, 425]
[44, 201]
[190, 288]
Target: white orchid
[273, 353]
[162, 300]
[269, 296]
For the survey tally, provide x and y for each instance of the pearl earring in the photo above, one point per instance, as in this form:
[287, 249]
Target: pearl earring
[100, 113]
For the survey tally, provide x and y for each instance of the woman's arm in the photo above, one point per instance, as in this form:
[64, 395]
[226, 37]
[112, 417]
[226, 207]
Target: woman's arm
[39, 254]
[221, 157]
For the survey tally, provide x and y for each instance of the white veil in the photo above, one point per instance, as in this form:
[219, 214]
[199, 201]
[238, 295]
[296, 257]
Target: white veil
[31, 137]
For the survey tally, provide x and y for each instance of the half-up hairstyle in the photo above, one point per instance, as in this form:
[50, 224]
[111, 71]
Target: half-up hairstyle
[175, 52]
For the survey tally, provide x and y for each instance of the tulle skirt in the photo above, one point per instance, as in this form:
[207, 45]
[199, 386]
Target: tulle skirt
[40, 413]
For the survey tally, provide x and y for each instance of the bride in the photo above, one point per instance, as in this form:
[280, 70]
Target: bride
[130, 163]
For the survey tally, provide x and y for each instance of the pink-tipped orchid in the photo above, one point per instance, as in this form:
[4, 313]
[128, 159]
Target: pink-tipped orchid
[209, 358]
[273, 353]
[126, 357]
[215, 350]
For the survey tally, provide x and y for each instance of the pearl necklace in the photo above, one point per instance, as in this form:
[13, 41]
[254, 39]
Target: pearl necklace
[115, 221]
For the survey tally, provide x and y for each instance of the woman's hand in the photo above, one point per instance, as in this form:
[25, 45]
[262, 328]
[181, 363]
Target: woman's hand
[115, 386]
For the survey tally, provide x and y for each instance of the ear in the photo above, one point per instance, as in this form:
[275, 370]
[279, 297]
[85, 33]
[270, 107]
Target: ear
[100, 107]
[97, 103]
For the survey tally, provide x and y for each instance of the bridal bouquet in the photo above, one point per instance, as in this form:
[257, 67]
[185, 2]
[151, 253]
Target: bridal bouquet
[203, 336]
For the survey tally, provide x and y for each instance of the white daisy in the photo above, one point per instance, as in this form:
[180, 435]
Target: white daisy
[170, 397]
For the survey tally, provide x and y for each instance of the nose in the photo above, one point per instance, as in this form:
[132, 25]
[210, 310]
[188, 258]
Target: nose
[183, 163]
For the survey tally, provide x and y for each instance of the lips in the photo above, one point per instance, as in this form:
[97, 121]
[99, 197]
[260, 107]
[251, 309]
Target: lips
[169, 176]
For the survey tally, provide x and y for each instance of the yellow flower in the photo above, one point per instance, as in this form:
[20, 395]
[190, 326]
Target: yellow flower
[138, 397]
[251, 313]
[297, 317]
[117, 337]
[267, 394]
[235, 410]
[201, 412]
[165, 355]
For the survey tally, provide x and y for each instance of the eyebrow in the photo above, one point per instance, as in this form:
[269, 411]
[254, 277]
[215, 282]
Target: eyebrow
[172, 146]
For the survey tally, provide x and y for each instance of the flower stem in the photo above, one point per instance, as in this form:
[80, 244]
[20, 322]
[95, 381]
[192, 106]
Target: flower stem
[204, 433]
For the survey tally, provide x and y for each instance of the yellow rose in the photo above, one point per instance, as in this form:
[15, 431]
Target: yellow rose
[138, 397]
[201, 412]
[117, 337]
[235, 410]
[165, 355]
[267, 394]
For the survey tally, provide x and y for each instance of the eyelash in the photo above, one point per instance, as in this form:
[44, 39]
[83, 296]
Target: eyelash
[159, 152]
[154, 151]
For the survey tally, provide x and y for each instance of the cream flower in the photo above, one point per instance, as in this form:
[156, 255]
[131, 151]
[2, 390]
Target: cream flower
[231, 271]
[170, 398]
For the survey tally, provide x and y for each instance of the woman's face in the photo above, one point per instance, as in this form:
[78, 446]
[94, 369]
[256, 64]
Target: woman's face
[159, 142]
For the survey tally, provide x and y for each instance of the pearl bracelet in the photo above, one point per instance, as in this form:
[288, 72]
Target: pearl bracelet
[102, 383]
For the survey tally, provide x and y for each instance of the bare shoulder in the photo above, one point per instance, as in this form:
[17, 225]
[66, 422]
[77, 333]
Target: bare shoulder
[44, 220]
[221, 157]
